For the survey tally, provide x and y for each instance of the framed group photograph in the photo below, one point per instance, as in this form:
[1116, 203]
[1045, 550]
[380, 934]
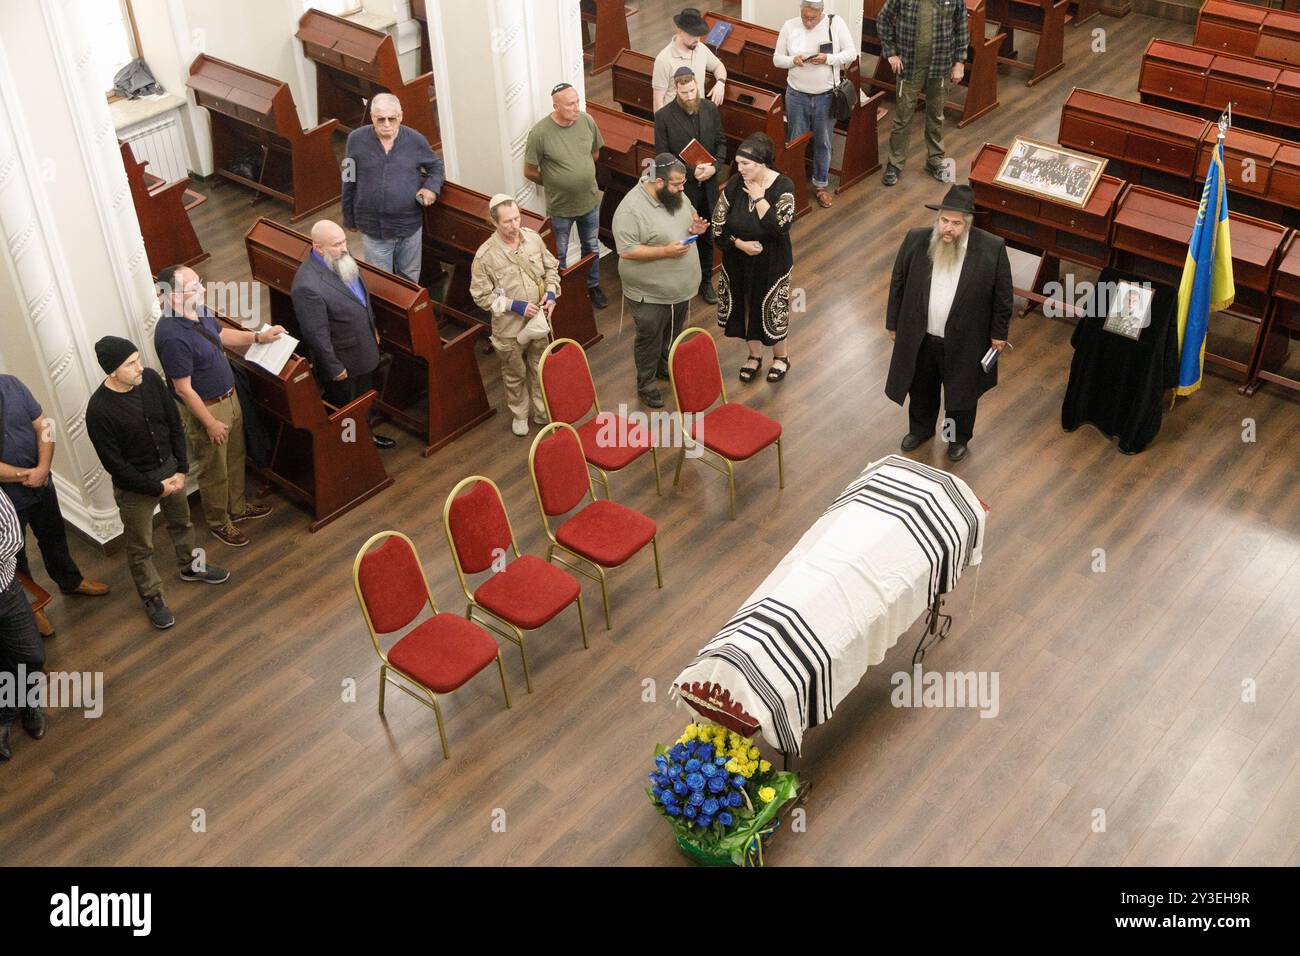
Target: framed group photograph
[1130, 310]
[1050, 171]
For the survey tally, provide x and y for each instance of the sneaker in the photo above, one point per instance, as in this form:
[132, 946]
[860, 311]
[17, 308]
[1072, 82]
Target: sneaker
[938, 172]
[597, 297]
[213, 575]
[160, 615]
[707, 293]
[891, 174]
[520, 427]
[230, 535]
[252, 513]
[34, 722]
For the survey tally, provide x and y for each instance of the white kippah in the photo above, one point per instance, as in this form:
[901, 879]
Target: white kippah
[498, 199]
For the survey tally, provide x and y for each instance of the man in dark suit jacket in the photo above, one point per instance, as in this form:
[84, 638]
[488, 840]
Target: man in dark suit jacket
[686, 117]
[950, 300]
[336, 320]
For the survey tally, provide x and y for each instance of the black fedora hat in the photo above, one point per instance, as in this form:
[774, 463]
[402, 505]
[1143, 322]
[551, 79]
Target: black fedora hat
[690, 21]
[959, 199]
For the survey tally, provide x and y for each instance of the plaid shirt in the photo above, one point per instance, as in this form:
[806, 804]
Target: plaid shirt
[896, 25]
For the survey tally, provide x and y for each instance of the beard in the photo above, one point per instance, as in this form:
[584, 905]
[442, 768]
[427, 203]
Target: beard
[672, 201]
[690, 107]
[945, 255]
[345, 267]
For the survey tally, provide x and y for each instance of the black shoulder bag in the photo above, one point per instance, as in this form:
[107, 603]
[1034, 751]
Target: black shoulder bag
[844, 94]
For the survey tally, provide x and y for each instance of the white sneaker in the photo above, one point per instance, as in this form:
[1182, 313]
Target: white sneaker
[519, 426]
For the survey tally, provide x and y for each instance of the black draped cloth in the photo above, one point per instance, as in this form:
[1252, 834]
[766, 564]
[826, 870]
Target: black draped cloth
[1118, 384]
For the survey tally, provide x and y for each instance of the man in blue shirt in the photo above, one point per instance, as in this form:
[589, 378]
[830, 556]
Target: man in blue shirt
[191, 342]
[26, 451]
[390, 173]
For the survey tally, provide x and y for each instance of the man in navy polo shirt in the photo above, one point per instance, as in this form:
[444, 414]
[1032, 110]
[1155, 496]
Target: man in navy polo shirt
[26, 451]
[390, 174]
[189, 340]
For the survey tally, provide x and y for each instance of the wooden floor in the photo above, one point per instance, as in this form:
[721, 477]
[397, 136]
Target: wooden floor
[1120, 691]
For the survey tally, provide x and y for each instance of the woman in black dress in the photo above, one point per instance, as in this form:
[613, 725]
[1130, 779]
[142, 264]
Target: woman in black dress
[751, 223]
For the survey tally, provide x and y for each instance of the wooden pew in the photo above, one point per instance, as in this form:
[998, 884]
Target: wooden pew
[420, 13]
[353, 64]
[608, 20]
[1081, 11]
[1151, 235]
[1047, 18]
[253, 116]
[1281, 325]
[434, 387]
[747, 55]
[322, 456]
[454, 228]
[1247, 30]
[169, 237]
[745, 109]
[981, 76]
[629, 149]
[1042, 226]
[1265, 96]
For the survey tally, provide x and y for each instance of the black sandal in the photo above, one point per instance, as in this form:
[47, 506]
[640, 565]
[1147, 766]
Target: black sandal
[775, 374]
[747, 372]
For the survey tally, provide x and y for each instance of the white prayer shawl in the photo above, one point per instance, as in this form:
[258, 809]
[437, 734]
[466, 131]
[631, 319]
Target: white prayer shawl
[898, 536]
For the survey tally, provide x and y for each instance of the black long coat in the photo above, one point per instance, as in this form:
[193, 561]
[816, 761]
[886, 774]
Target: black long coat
[981, 312]
[674, 130]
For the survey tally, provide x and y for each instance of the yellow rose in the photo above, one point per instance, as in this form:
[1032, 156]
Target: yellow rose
[753, 753]
[766, 794]
[692, 731]
[764, 766]
[733, 767]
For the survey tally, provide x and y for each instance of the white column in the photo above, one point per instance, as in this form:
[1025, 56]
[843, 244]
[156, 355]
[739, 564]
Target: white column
[773, 13]
[494, 64]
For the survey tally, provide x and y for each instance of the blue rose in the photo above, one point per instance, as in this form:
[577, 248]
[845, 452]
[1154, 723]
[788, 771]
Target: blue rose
[703, 822]
[710, 806]
[672, 810]
[709, 770]
[735, 798]
[674, 772]
[678, 753]
[720, 761]
[692, 765]
[725, 818]
[697, 798]
[681, 789]
[666, 797]
[705, 752]
[717, 785]
[695, 780]
[689, 812]
[738, 781]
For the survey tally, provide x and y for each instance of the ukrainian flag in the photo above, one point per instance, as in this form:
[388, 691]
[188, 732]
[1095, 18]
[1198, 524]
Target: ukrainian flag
[1207, 275]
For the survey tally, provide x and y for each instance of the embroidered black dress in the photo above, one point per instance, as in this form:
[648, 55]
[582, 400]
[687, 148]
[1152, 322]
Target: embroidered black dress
[754, 291]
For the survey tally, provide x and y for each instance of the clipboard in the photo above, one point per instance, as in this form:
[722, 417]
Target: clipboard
[696, 155]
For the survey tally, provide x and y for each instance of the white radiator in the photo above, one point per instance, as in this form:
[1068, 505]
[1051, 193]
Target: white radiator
[160, 142]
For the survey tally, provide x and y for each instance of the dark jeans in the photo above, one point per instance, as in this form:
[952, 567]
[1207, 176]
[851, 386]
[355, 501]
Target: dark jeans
[588, 237]
[705, 242]
[20, 642]
[923, 410]
[656, 328]
[47, 525]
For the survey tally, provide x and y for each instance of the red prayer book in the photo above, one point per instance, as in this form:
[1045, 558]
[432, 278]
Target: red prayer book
[696, 155]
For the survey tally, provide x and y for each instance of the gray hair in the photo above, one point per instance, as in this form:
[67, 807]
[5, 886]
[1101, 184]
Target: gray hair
[385, 101]
[493, 209]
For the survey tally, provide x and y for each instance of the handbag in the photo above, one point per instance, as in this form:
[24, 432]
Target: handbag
[844, 95]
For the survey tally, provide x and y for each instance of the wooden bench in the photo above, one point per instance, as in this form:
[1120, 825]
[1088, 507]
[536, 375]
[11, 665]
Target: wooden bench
[165, 226]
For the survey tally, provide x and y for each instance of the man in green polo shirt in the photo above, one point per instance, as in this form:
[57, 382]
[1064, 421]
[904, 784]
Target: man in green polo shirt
[561, 157]
[651, 226]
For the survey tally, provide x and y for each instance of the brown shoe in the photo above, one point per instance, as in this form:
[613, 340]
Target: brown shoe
[253, 512]
[43, 625]
[231, 535]
[824, 198]
[89, 588]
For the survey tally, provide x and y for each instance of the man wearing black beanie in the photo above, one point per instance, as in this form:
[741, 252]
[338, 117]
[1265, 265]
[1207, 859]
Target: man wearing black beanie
[137, 433]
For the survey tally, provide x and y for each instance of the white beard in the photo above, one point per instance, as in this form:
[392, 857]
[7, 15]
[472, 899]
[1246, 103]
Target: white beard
[345, 267]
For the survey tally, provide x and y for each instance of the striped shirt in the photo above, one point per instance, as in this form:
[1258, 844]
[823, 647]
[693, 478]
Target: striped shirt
[11, 542]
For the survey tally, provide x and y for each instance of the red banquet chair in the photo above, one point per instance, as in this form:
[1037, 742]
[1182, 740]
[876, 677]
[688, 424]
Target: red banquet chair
[522, 596]
[570, 393]
[436, 656]
[731, 432]
[603, 534]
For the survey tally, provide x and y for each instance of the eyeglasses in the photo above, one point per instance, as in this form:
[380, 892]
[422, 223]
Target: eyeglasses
[385, 119]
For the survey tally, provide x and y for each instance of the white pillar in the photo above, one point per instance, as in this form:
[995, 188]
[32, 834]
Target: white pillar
[494, 64]
[773, 13]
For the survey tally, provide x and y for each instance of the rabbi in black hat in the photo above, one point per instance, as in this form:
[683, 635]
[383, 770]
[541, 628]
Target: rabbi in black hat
[133, 423]
[686, 48]
[949, 302]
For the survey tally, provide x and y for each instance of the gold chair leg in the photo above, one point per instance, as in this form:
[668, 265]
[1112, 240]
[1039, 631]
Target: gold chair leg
[550, 551]
[780, 463]
[501, 669]
[654, 457]
[604, 596]
[523, 652]
[582, 622]
[442, 732]
[383, 685]
[731, 487]
[654, 546]
[680, 458]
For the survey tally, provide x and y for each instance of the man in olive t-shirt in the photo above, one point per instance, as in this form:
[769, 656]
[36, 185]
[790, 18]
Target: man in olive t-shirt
[561, 157]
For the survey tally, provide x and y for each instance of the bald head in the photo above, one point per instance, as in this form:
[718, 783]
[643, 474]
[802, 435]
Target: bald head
[329, 240]
[565, 103]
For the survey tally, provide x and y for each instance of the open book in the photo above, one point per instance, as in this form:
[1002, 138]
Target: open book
[272, 355]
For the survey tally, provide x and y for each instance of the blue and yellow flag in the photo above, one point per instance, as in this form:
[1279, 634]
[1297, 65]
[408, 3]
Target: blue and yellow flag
[1207, 275]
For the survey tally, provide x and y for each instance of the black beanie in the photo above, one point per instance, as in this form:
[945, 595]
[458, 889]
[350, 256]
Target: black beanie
[112, 352]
